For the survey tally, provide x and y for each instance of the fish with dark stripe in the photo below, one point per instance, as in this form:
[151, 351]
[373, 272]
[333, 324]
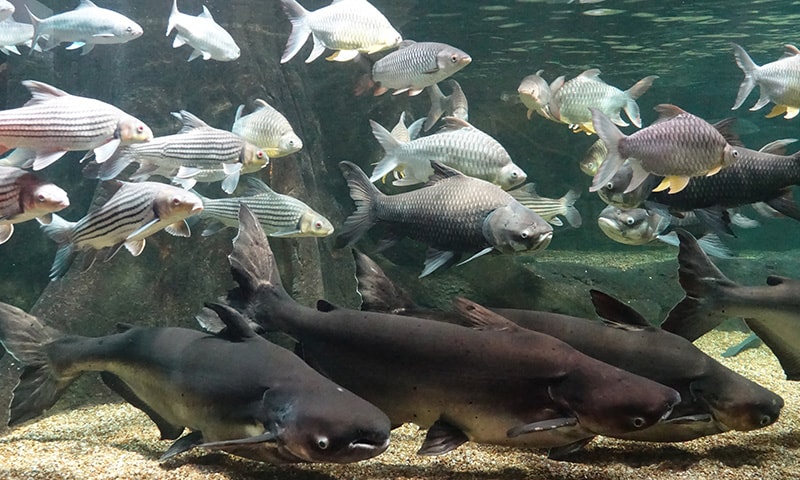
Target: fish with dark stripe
[24, 196]
[133, 213]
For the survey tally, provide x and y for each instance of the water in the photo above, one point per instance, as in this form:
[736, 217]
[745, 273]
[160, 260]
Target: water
[687, 44]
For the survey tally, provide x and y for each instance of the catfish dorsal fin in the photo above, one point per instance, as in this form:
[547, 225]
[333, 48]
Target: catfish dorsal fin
[667, 111]
[620, 314]
[236, 325]
[481, 317]
[252, 262]
[442, 171]
[325, 306]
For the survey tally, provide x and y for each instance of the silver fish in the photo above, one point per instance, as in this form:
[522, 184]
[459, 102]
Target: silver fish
[279, 215]
[452, 215]
[347, 26]
[678, 146]
[593, 158]
[207, 38]
[54, 122]
[535, 94]
[550, 208]
[86, 26]
[779, 82]
[133, 213]
[453, 105]
[268, 129]
[6, 9]
[197, 153]
[572, 99]
[414, 66]
[13, 33]
[23, 197]
[458, 145]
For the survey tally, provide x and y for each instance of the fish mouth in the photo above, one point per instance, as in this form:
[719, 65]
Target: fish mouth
[543, 241]
[365, 444]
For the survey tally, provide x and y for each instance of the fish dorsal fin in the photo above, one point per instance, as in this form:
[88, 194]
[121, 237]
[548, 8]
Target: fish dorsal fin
[104, 192]
[778, 147]
[480, 317]
[259, 103]
[255, 187]
[205, 14]
[378, 293]
[592, 73]
[442, 437]
[667, 111]
[619, 314]
[41, 92]
[442, 171]
[237, 327]
[725, 128]
[774, 280]
[405, 43]
[557, 83]
[239, 112]
[190, 121]
[86, 4]
[790, 50]
[325, 306]
[122, 327]
[454, 123]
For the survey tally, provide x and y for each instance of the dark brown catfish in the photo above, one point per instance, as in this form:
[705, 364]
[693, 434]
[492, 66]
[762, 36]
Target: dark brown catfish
[236, 391]
[714, 399]
[506, 388]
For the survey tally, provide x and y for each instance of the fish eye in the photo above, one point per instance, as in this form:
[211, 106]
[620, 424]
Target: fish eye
[524, 234]
[176, 201]
[630, 221]
[638, 422]
[40, 197]
[735, 153]
[129, 29]
[514, 174]
[140, 128]
[454, 58]
[260, 154]
[317, 224]
[322, 443]
[610, 185]
[765, 420]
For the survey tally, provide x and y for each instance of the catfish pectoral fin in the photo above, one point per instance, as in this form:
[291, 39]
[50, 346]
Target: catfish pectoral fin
[688, 419]
[183, 444]
[263, 438]
[551, 424]
[442, 438]
[480, 317]
[560, 453]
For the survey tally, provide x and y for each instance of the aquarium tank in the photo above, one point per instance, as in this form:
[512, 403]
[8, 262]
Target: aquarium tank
[711, 60]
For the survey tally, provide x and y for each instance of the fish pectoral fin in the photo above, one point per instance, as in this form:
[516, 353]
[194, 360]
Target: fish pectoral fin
[143, 231]
[45, 219]
[106, 150]
[752, 341]
[179, 41]
[103, 35]
[183, 444]
[542, 426]
[436, 259]
[777, 110]
[479, 254]
[75, 45]
[266, 437]
[442, 437]
[195, 53]
[179, 229]
[480, 317]
[135, 247]
[213, 227]
[231, 180]
[412, 92]
[286, 234]
[688, 419]
[6, 230]
[44, 159]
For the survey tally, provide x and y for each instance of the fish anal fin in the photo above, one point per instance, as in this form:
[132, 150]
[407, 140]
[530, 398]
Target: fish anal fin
[442, 437]
[542, 426]
[481, 317]
[168, 430]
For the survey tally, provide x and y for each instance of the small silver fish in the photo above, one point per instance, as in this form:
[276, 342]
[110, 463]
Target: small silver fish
[279, 215]
[198, 152]
[207, 38]
[779, 82]
[134, 212]
[86, 26]
[593, 158]
[458, 145]
[23, 197]
[550, 208]
[535, 94]
[13, 33]
[453, 105]
[678, 146]
[414, 66]
[347, 26]
[268, 129]
[572, 99]
[54, 122]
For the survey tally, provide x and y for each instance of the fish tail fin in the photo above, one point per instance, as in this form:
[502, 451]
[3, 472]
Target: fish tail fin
[300, 30]
[363, 193]
[378, 293]
[749, 67]
[173, 17]
[60, 231]
[438, 103]
[35, 21]
[702, 282]
[390, 144]
[26, 338]
[571, 213]
[611, 136]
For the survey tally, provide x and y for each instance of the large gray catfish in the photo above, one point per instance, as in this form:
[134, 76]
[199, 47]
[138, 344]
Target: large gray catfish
[714, 399]
[771, 311]
[235, 390]
[507, 388]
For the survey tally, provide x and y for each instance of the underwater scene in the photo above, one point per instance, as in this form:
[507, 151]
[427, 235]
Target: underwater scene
[544, 239]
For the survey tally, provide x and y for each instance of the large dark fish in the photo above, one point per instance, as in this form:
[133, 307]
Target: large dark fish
[235, 390]
[772, 312]
[519, 389]
[714, 399]
[452, 214]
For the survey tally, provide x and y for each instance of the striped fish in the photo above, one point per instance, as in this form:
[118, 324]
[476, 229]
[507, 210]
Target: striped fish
[414, 66]
[23, 197]
[348, 26]
[279, 215]
[203, 34]
[550, 208]
[458, 145]
[54, 122]
[134, 212]
[268, 129]
[13, 33]
[197, 153]
[86, 26]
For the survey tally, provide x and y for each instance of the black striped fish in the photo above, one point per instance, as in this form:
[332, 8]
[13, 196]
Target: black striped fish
[279, 215]
[134, 212]
[197, 153]
[550, 208]
[54, 122]
[23, 197]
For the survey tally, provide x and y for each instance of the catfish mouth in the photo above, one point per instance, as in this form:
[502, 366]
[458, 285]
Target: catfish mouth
[359, 449]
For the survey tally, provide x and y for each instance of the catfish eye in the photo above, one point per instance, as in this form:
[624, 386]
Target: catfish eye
[765, 420]
[322, 443]
[638, 422]
[454, 58]
[630, 221]
[524, 234]
[610, 185]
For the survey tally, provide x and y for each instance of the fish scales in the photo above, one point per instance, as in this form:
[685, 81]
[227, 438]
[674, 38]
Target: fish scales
[267, 128]
[74, 124]
[119, 217]
[415, 66]
[336, 27]
[14, 33]
[207, 148]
